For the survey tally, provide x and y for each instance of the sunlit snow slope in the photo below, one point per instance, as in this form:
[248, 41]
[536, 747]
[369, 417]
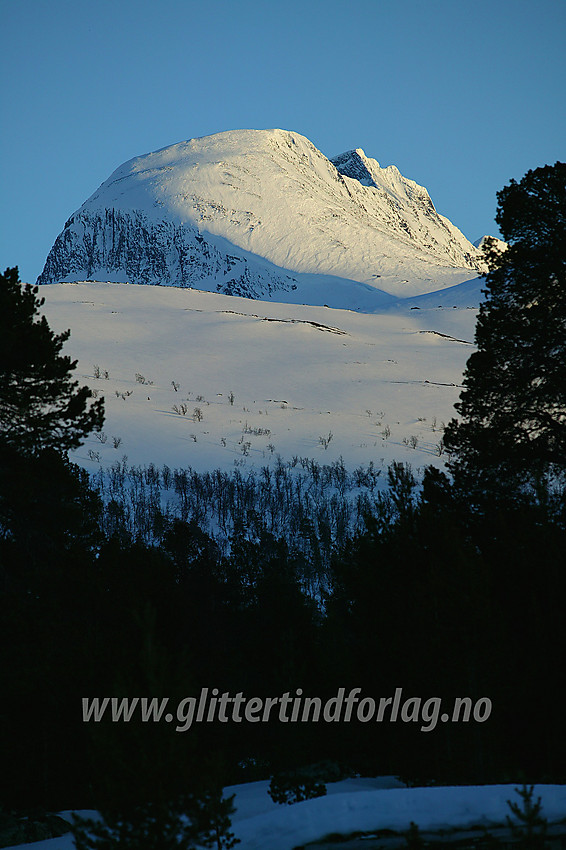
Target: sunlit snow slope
[206, 380]
[264, 214]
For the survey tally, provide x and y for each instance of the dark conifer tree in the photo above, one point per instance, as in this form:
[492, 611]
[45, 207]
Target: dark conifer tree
[43, 414]
[40, 405]
[512, 429]
[48, 532]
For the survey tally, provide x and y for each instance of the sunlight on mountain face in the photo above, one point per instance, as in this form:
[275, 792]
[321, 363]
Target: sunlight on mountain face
[264, 214]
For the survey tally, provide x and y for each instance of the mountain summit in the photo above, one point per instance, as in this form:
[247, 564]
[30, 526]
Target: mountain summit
[263, 213]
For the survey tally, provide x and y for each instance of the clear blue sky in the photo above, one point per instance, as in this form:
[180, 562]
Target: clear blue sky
[460, 95]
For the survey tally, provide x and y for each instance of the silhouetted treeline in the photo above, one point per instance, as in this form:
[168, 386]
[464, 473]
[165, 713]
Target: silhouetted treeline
[125, 599]
[314, 507]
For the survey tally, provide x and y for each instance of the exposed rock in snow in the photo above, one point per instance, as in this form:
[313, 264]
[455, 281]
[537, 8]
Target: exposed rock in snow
[129, 246]
[248, 212]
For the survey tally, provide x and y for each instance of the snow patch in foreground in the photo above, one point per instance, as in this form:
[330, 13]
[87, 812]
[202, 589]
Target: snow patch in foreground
[344, 811]
[350, 807]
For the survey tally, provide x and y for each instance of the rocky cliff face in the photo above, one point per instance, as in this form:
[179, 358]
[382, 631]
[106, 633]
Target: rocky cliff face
[248, 212]
[407, 208]
[127, 247]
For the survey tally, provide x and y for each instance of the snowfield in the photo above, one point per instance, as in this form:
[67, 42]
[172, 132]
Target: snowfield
[364, 805]
[213, 381]
[353, 805]
[297, 306]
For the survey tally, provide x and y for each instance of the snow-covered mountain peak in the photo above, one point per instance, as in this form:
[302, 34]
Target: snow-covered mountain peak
[368, 172]
[499, 244]
[251, 211]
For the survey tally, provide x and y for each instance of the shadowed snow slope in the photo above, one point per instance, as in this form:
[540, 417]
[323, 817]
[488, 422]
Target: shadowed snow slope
[346, 810]
[263, 214]
[362, 805]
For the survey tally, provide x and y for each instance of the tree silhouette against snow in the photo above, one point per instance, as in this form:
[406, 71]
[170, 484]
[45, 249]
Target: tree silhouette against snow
[41, 407]
[512, 432]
